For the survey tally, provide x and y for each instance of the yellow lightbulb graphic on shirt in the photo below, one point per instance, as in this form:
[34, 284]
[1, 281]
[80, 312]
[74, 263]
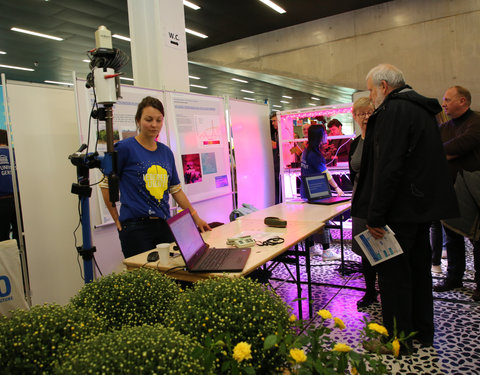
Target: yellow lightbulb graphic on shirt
[156, 181]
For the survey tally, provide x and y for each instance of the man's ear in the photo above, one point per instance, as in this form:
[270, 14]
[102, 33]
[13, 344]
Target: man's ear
[384, 86]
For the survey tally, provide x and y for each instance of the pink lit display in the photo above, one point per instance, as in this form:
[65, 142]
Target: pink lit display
[324, 112]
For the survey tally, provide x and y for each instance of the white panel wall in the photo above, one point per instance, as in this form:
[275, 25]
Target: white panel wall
[45, 132]
[250, 126]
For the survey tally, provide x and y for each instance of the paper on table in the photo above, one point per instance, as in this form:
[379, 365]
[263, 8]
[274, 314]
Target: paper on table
[259, 236]
[377, 251]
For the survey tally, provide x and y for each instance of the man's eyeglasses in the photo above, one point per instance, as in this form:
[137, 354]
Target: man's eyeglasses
[364, 114]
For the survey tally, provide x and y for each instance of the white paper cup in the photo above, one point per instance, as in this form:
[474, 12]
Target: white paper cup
[163, 252]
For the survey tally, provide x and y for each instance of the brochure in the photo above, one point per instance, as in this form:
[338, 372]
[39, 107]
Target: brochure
[378, 251]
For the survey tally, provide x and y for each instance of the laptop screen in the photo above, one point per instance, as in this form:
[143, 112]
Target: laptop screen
[317, 186]
[186, 234]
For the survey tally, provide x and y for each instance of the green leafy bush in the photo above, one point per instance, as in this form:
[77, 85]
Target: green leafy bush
[130, 298]
[230, 311]
[133, 350]
[30, 341]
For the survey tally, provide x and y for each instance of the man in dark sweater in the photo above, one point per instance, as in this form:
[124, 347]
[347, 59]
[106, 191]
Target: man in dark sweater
[461, 142]
[404, 184]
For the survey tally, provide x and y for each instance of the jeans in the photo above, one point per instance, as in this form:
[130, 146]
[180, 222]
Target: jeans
[139, 236]
[456, 257]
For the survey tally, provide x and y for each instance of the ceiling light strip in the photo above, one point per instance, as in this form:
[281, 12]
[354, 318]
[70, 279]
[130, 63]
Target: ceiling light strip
[59, 83]
[34, 33]
[126, 79]
[274, 6]
[239, 80]
[3, 53]
[191, 5]
[251, 99]
[118, 36]
[196, 33]
[16, 67]
[247, 91]
[193, 77]
[199, 86]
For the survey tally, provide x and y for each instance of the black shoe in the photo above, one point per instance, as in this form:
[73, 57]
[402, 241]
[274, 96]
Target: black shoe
[367, 300]
[425, 340]
[476, 294]
[447, 285]
[424, 344]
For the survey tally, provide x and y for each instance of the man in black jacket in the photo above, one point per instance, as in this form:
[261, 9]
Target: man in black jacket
[461, 141]
[404, 184]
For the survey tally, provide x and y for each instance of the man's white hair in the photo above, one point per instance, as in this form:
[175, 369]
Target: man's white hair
[388, 73]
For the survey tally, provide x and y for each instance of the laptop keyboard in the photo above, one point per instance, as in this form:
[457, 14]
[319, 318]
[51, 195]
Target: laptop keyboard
[214, 259]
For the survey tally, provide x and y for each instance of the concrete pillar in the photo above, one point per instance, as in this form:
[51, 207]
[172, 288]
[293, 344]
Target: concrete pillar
[158, 44]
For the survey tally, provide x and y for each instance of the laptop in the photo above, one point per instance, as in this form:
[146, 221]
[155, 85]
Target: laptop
[198, 256]
[318, 190]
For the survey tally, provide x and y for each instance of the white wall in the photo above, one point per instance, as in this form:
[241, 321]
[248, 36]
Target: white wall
[250, 126]
[45, 132]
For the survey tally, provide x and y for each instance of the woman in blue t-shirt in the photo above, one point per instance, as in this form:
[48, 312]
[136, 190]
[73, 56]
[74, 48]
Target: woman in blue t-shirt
[313, 162]
[147, 174]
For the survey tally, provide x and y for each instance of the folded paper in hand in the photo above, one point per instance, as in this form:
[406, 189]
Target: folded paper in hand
[377, 251]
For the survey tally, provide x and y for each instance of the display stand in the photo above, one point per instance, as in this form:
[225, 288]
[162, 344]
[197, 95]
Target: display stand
[292, 133]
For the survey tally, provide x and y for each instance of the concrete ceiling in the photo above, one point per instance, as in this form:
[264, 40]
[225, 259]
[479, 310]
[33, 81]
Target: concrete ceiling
[222, 20]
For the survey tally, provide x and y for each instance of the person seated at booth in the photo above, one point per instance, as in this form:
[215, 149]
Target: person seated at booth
[147, 174]
[313, 162]
[340, 147]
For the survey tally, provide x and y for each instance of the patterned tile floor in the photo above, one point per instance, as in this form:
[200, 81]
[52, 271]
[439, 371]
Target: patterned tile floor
[456, 348]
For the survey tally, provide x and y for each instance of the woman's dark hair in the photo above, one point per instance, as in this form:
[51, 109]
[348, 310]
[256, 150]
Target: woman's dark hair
[316, 135]
[148, 101]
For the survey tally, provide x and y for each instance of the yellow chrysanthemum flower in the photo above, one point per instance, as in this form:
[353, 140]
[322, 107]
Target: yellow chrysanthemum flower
[292, 318]
[378, 328]
[396, 347]
[342, 348]
[325, 314]
[298, 355]
[339, 323]
[354, 371]
[242, 351]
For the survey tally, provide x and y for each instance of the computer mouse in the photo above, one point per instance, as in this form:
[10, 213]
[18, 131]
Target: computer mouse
[152, 256]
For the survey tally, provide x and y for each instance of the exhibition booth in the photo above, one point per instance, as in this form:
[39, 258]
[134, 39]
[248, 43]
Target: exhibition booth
[212, 138]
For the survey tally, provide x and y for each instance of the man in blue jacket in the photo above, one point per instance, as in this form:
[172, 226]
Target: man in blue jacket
[404, 184]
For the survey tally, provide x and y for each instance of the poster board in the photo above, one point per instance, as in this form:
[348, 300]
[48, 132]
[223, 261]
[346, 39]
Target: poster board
[123, 127]
[200, 144]
[194, 129]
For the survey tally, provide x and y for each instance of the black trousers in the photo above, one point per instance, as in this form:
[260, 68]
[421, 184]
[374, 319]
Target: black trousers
[140, 235]
[405, 283]
[456, 257]
[8, 219]
[436, 240]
